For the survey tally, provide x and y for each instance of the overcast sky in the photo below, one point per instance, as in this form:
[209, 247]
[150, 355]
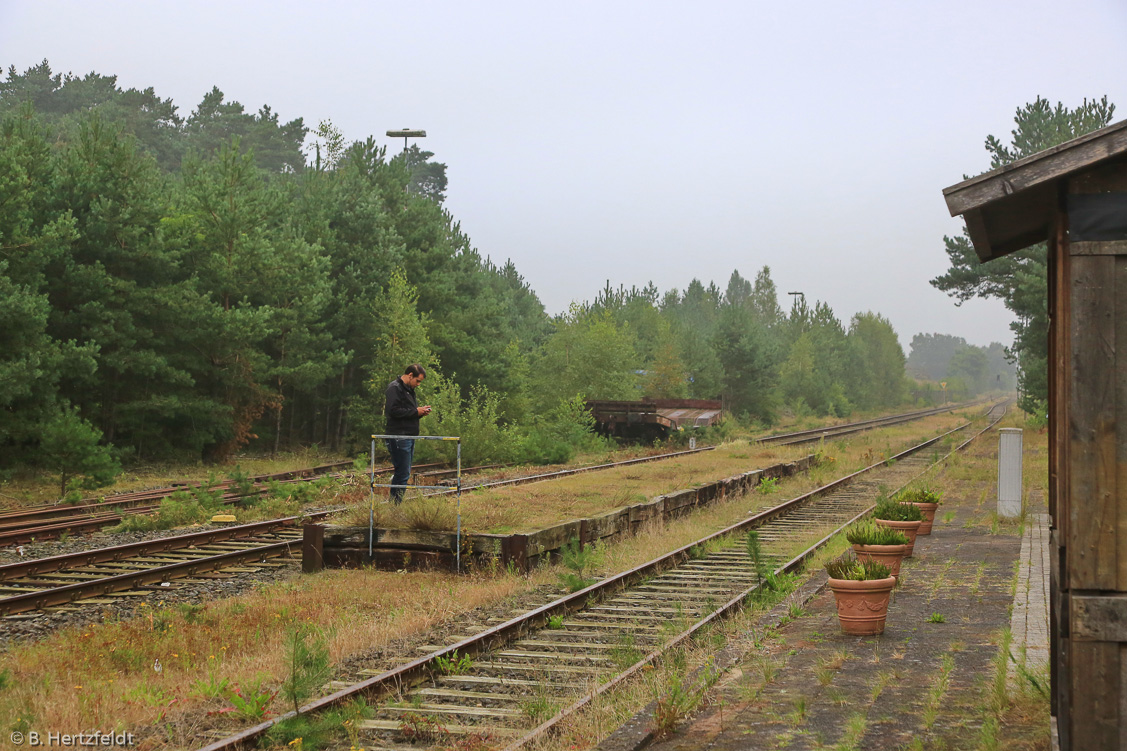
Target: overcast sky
[646, 141]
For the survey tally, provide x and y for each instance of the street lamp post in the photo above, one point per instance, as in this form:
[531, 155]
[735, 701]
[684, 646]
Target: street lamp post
[406, 133]
[796, 295]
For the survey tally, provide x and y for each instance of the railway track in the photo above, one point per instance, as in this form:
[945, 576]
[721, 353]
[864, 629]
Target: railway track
[78, 577]
[49, 521]
[783, 439]
[836, 431]
[496, 685]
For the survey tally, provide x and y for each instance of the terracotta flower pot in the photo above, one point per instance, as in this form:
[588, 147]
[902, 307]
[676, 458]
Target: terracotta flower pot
[889, 555]
[908, 528]
[928, 510]
[862, 606]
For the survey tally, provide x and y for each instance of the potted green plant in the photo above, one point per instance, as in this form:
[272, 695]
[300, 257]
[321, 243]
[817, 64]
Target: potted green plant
[926, 500]
[902, 516]
[861, 590]
[873, 542]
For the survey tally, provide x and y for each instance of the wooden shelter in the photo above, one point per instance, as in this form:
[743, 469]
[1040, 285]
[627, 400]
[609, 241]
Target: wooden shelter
[1074, 198]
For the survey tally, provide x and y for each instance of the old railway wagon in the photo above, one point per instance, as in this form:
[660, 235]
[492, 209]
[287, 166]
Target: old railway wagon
[653, 418]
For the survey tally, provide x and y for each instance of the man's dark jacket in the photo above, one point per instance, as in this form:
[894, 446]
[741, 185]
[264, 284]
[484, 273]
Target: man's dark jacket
[401, 409]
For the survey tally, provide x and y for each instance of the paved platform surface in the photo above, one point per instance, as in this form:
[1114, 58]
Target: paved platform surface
[926, 683]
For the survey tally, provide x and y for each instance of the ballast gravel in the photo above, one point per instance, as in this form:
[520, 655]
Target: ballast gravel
[38, 624]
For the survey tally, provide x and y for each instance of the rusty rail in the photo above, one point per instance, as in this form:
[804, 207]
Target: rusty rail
[835, 431]
[19, 569]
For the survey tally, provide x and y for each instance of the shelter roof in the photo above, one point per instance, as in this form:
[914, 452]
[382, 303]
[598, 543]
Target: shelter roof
[1011, 208]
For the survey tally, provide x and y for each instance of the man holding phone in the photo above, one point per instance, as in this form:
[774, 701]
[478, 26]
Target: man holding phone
[403, 413]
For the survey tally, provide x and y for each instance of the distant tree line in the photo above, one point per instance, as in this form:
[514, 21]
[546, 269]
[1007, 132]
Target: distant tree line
[182, 288]
[967, 370]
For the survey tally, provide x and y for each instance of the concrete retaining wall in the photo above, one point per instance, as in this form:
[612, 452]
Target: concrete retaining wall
[347, 547]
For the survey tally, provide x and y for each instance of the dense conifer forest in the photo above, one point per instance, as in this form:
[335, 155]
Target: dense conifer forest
[185, 287]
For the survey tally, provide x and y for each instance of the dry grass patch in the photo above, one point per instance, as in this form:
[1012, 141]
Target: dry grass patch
[172, 665]
[36, 488]
[542, 504]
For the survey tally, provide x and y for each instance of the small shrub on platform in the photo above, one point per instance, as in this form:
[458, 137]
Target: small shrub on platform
[895, 511]
[868, 533]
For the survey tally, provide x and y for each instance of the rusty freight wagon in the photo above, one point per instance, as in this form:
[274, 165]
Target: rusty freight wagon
[653, 418]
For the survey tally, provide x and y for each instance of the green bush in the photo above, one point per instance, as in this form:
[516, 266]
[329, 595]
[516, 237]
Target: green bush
[308, 667]
[558, 436]
[1039, 418]
[764, 575]
[854, 570]
[890, 510]
[244, 486]
[579, 561]
[177, 510]
[477, 420]
[321, 730]
[870, 533]
[72, 447]
[921, 494]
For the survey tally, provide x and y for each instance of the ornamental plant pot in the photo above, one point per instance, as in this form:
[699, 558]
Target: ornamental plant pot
[902, 516]
[910, 530]
[862, 590]
[928, 510]
[889, 555]
[926, 500]
[873, 542]
[862, 606]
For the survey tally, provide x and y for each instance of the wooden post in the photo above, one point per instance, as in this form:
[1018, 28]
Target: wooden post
[1059, 345]
[312, 548]
[515, 548]
[1093, 510]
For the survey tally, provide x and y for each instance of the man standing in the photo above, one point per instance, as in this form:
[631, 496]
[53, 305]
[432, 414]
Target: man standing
[403, 413]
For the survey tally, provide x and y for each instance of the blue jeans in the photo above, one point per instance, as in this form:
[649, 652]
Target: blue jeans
[402, 452]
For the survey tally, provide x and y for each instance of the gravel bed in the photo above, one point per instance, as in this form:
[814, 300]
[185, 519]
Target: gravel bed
[26, 627]
[92, 541]
[30, 626]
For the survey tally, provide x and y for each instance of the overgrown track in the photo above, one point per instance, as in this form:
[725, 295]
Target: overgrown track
[836, 431]
[498, 684]
[49, 521]
[66, 579]
[52, 520]
[804, 436]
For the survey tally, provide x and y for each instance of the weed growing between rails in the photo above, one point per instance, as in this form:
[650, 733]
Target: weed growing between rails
[679, 682]
[455, 664]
